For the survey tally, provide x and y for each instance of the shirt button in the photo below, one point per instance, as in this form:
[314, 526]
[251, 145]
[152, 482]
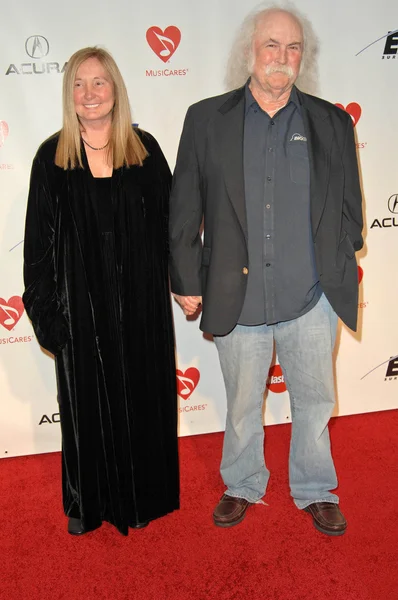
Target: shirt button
[270, 149]
[268, 178]
[272, 122]
[245, 270]
[267, 264]
[268, 236]
[268, 206]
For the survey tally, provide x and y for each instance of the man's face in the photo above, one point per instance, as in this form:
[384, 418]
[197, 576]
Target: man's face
[276, 52]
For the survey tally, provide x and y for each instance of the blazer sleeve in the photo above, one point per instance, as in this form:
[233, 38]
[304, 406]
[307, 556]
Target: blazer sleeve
[186, 213]
[352, 203]
[40, 297]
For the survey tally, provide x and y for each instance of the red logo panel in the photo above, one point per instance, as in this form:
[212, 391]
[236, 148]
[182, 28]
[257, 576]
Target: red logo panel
[360, 274]
[187, 382]
[11, 312]
[3, 132]
[164, 43]
[353, 109]
[276, 381]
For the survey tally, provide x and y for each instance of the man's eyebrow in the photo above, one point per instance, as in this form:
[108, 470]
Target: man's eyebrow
[291, 43]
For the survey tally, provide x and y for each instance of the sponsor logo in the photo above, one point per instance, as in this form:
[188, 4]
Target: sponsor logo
[37, 48]
[390, 45]
[166, 73]
[16, 246]
[298, 137]
[187, 382]
[391, 371]
[164, 43]
[193, 408]
[355, 112]
[3, 132]
[353, 109]
[276, 381]
[387, 222]
[54, 418]
[11, 312]
[393, 204]
[22, 339]
[363, 304]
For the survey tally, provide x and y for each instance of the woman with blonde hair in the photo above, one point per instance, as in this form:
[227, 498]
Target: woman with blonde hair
[96, 290]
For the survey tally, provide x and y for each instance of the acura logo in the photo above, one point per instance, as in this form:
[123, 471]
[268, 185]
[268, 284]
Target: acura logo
[37, 46]
[393, 203]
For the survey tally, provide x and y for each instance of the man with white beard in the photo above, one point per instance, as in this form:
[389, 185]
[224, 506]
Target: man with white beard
[273, 172]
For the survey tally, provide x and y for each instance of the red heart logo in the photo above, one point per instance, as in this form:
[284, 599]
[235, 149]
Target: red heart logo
[11, 312]
[3, 132]
[276, 381]
[164, 43]
[187, 382]
[360, 274]
[354, 110]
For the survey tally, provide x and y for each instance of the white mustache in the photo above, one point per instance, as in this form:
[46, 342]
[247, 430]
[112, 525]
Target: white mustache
[279, 69]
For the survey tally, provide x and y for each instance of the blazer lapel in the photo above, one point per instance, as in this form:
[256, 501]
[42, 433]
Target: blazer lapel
[319, 132]
[229, 128]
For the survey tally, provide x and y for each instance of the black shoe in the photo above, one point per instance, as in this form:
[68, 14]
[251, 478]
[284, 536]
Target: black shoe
[141, 525]
[75, 526]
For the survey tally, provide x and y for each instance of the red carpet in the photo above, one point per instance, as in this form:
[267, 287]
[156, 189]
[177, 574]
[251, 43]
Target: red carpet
[274, 554]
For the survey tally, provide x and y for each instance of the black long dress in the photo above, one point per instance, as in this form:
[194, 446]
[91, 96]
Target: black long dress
[96, 290]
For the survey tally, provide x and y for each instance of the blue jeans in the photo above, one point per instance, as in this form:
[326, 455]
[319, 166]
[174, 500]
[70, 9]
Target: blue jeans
[304, 347]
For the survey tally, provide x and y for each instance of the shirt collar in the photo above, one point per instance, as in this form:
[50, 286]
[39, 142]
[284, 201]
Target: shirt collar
[251, 101]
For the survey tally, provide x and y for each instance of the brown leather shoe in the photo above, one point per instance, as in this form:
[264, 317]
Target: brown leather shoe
[230, 511]
[327, 518]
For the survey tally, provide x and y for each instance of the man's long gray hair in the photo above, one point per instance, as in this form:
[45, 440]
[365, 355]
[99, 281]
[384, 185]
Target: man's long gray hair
[241, 57]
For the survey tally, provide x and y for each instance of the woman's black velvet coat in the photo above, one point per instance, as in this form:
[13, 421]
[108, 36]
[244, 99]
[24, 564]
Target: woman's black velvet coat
[100, 303]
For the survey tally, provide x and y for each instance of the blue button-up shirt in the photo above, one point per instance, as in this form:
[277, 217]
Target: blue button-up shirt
[282, 281]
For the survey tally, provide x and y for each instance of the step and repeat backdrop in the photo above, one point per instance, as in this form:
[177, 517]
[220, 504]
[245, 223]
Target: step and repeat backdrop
[172, 54]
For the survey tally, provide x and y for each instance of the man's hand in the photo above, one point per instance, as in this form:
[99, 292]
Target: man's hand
[189, 304]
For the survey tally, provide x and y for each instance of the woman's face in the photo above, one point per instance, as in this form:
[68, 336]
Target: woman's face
[93, 93]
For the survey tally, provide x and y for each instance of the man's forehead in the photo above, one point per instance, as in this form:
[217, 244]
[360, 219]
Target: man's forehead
[279, 22]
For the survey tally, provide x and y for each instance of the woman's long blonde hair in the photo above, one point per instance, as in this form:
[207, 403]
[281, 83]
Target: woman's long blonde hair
[125, 147]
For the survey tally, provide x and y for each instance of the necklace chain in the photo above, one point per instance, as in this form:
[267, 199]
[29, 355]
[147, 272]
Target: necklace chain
[92, 147]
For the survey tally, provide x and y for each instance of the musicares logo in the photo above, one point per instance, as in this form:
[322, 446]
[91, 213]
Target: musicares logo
[11, 311]
[276, 381]
[187, 382]
[164, 43]
[353, 109]
[3, 132]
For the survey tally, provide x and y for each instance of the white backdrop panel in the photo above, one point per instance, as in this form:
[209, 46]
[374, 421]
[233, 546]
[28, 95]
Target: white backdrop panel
[36, 40]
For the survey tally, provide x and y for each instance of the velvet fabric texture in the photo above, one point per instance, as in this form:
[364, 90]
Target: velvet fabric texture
[99, 301]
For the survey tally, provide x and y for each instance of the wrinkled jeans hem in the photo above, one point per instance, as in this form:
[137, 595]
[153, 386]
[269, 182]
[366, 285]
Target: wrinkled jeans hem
[244, 497]
[301, 504]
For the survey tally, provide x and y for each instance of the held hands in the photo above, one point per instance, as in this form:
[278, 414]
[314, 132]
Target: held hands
[189, 304]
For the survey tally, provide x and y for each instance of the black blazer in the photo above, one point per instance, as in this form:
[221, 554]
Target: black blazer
[208, 183]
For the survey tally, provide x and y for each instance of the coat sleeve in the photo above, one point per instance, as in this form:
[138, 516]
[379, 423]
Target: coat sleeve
[40, 297]
[186, 213]
[162, 174]
[352, 204]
